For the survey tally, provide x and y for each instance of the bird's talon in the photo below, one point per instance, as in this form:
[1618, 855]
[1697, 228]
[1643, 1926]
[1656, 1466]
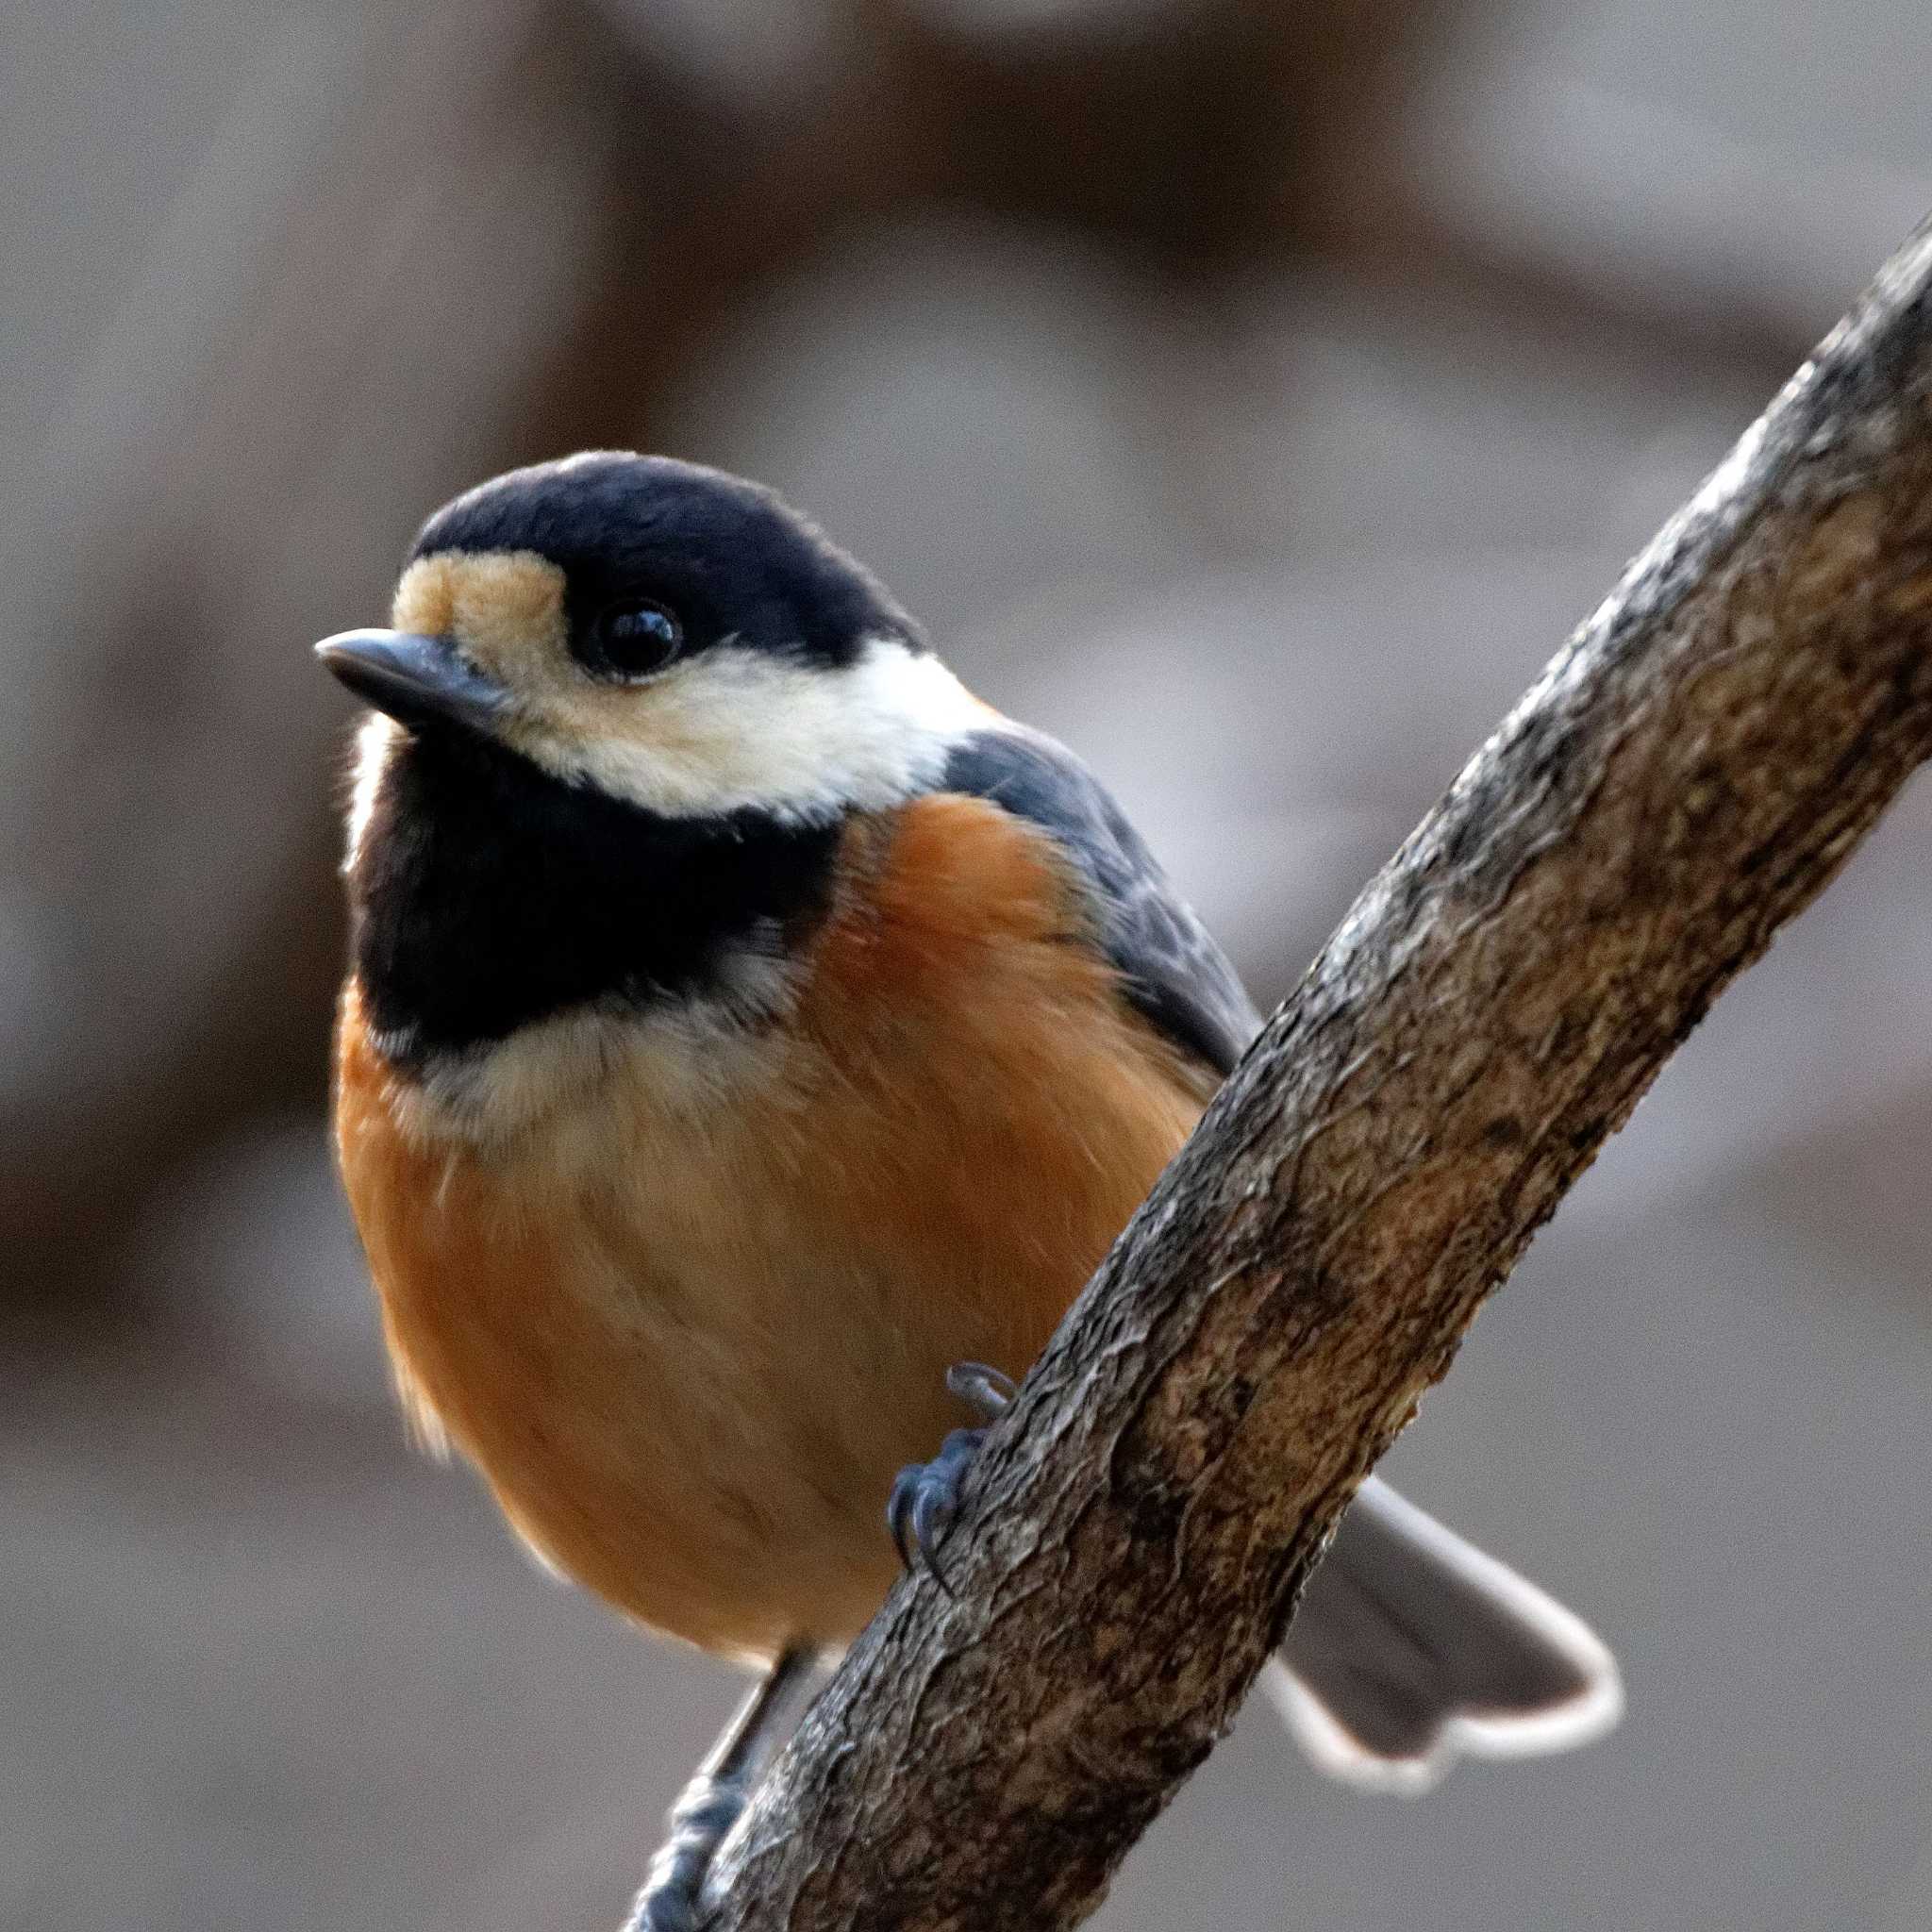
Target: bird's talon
[898, 1512]
[925, 1500]
[932, 1516]
[700, 1823]
[988, 1389]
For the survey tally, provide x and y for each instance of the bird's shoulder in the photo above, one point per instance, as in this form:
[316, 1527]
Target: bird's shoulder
[1168, 964]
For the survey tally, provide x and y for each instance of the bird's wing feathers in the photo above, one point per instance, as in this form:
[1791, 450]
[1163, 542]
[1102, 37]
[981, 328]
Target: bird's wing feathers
[1169, 967]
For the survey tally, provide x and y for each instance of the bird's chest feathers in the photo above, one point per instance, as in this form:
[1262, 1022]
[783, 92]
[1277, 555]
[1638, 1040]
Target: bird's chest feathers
[617, 1249]
[567, 1208]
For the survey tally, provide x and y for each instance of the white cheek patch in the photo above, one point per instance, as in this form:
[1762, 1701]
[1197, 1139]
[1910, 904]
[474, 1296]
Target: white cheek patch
[736, 729]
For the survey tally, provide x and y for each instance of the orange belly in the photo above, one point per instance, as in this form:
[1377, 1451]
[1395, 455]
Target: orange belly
[691, 1307]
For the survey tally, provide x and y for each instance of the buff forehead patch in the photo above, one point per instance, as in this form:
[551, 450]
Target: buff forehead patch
[496, 604]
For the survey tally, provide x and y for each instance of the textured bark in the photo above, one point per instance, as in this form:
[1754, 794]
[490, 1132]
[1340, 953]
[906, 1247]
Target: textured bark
[1690, 770]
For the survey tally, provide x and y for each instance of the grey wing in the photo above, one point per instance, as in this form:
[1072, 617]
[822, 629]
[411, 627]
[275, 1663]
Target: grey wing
[1170, 966]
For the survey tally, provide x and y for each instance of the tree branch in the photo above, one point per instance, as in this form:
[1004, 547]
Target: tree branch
[1685, 776]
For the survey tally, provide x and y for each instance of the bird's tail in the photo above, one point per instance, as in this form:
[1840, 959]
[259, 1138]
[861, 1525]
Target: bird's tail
[1412, 1647]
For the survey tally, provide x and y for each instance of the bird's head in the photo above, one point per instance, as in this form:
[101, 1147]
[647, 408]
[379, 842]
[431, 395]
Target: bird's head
[627, 707]
[673, 637]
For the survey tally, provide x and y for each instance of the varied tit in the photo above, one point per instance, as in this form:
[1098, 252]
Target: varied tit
[746, 1026]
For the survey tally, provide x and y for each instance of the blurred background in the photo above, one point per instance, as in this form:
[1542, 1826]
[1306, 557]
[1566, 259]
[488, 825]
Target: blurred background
[1253, 394]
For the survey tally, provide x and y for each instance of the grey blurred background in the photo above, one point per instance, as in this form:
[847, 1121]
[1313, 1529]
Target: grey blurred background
[1253, 394]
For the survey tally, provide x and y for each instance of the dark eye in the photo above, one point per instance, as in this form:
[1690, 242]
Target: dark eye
[631, 640]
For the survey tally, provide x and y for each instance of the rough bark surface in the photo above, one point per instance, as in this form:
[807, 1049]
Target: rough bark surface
[1690, 771]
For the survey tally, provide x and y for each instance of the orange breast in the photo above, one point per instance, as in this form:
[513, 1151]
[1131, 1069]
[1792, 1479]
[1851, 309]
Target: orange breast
[692, 1312]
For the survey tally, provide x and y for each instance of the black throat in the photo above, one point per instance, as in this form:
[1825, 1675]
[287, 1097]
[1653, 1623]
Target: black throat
[487, 894]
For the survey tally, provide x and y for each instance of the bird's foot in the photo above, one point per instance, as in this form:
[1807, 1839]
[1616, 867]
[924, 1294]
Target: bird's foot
[989, 1392]
[926, 1495]
[700, 1823]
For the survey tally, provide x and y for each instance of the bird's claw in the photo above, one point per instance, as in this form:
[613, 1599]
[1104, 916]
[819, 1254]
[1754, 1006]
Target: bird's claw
[925, 1500]
[988, 1390]
[700, 1821]
[926, 1495]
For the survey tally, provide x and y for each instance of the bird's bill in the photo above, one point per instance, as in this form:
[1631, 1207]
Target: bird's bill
[416, 680]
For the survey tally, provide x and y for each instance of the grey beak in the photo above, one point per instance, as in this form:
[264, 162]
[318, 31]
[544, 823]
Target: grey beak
[417, 680]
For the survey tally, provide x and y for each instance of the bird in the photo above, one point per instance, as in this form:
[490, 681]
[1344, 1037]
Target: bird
[752, 1041]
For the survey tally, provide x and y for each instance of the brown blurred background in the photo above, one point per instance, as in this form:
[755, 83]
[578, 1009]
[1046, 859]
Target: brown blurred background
[1255, 394]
